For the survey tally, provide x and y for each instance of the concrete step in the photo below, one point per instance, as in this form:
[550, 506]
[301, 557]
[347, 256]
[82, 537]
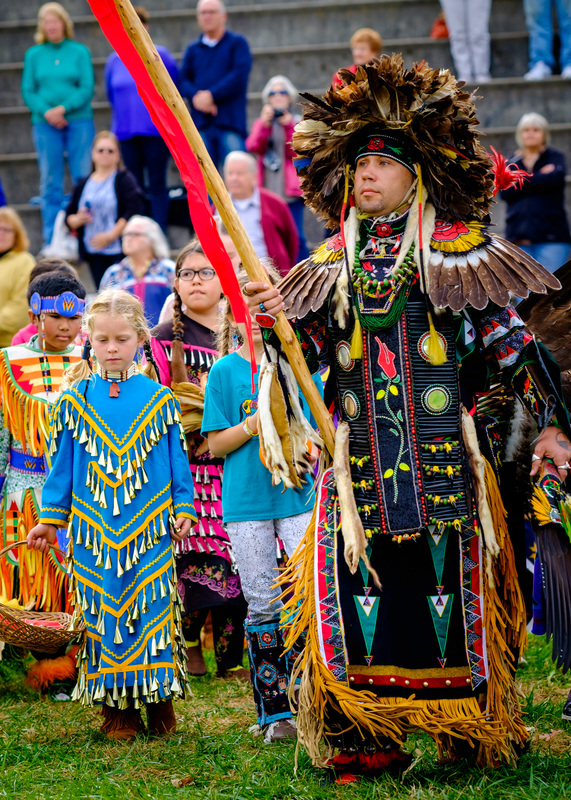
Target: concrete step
[270, 24]
[16, 130]
[509, 58]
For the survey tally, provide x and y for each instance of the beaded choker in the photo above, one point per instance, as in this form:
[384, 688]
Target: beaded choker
[116, 377]
[365, 282]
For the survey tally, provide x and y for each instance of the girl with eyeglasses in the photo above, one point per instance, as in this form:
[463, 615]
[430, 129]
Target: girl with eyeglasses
[270, 140]
[184, 349]
[101, 205]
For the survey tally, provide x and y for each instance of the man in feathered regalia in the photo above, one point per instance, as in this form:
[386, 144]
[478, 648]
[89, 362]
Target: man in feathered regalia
[405, 586]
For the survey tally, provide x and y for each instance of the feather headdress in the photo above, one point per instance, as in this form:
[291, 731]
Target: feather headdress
[428, 106]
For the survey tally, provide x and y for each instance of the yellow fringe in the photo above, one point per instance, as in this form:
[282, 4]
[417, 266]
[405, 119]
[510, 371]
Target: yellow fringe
[504, 570]
[39, 579]
[492, 731]
[27, 416]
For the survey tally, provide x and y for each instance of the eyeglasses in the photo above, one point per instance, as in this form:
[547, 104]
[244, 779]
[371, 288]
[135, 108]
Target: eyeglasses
[205, 274]
[277, 91]
[133, 233]
[105, 150]
[6, 229]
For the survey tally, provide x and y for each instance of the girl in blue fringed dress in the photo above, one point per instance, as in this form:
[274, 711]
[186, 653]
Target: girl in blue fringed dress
[120, 480]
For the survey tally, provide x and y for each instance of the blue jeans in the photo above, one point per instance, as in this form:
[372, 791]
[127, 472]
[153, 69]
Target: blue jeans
[220, 142]
[150, 154]
[539, 20]
[297, 208]
[551, 255]
[51, 146]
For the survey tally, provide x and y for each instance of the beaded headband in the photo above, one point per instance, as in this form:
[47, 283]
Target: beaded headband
[379, 142]
[66, 304]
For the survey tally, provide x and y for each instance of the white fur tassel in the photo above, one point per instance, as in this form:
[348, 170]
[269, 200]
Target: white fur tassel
[341, 293]
[477, 467]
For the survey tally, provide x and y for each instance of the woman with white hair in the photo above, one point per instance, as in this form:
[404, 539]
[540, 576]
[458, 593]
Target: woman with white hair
[536, 219]
[146, 271]
[270, 139]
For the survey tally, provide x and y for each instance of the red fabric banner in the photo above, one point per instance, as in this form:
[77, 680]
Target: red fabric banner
[185, 159]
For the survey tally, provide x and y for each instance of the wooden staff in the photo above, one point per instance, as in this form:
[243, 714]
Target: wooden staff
[217, 191]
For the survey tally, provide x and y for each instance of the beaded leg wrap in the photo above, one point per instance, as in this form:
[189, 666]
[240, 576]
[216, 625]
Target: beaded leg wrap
[269, 671]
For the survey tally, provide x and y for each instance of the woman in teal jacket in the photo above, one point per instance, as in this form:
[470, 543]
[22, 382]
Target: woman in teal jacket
[57, 87]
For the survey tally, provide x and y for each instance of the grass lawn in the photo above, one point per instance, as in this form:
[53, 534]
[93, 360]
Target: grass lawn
[55, 750]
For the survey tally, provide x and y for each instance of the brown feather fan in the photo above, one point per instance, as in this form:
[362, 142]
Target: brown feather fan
[306, 287]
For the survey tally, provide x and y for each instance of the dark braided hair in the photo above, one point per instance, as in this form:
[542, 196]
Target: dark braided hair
[179, 372]
[151, 363]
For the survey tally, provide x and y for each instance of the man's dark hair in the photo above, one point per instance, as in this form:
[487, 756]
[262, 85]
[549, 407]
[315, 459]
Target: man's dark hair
[53, 284]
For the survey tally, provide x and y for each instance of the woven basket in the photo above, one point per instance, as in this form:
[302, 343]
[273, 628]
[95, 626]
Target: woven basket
[14, 630]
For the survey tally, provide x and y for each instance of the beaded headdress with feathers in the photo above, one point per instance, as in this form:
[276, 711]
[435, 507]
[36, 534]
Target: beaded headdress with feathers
[428, 107]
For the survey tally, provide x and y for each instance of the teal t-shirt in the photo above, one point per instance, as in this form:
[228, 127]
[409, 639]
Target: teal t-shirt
[58, 74]
[247, 491]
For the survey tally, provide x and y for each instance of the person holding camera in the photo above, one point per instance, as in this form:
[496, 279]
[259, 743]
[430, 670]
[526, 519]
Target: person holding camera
[270, 140]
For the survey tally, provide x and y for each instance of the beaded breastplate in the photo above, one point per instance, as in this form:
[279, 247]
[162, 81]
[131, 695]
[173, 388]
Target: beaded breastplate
[407, 460]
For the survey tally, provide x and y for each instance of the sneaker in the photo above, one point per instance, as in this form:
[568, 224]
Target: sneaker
[566, 72]
[567, 709]
[538, 72]
[60, 692]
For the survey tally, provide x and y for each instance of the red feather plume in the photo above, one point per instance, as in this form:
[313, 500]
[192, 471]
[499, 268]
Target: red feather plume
[506, 175]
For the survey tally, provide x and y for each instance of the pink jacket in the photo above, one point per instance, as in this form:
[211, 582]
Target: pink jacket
[257, 142]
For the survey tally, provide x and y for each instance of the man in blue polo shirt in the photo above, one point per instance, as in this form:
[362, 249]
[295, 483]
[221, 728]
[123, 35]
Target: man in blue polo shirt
[214, 79]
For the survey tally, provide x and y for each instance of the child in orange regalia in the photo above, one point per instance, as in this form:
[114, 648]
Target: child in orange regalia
[30, 378]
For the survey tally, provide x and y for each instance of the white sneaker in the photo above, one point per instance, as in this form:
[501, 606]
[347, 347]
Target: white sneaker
[566, 73]
[538, 72]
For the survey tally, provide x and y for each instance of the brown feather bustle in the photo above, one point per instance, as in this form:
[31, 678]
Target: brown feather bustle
[428, 106]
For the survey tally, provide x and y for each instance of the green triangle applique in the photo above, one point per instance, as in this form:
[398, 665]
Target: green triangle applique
[437, 541]
[367, 610]
[363, 567]
[441, 608]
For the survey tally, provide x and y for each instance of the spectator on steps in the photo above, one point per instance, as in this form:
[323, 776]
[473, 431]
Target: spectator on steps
[265, 216]
[16, 263]
[539, 20]
[57, 87]
[146, 272]
[365, 45]
[270, 139]
[468, 24]
[214, 80]
[143, 150]
[101, 204]
[536, 219]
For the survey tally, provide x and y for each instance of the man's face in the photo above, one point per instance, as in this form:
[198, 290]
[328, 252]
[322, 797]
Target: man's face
[211, 19]
[240, 180]
[380, 184]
